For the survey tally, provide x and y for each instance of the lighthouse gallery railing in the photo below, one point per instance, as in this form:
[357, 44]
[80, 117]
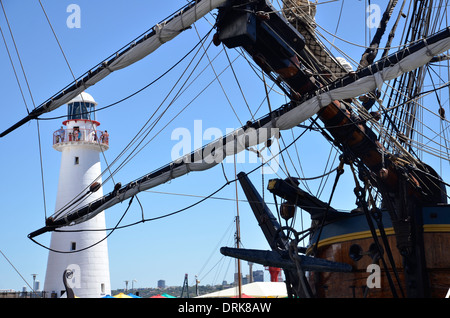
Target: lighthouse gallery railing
[81, 135]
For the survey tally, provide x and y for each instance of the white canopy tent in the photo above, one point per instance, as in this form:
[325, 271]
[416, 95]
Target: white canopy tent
[255, 290]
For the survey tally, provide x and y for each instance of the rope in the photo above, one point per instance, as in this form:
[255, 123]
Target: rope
[14, 70]
[18, 55]
[140, 133]
[239, 84]
[17, 271]
[57, 40]
[180, 210]
[359, 192]
[92, 245]
[32, 99]
[220, 83]
[339, 172]
[293, 254]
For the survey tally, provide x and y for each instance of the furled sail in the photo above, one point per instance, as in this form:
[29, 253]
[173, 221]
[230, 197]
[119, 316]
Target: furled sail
[135, 51]
[259, 131]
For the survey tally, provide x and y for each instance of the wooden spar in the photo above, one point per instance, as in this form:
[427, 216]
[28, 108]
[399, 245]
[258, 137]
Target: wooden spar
[129, 54]
[279, 115]
[274, 259]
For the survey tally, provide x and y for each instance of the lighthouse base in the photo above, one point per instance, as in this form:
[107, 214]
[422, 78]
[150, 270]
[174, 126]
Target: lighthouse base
[88, 265]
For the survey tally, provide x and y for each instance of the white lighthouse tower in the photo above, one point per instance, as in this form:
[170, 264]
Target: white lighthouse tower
[80, 144]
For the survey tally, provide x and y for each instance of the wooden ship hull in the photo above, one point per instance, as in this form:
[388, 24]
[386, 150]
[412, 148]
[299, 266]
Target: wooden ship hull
[350, 241]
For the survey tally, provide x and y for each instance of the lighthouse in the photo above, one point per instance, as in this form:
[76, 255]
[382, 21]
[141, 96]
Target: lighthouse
[79, 252]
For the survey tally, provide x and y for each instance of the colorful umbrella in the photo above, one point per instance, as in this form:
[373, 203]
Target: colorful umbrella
[121, 295]
[242, 296]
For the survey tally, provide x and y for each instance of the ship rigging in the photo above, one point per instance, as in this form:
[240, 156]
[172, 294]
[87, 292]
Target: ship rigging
[391, 180]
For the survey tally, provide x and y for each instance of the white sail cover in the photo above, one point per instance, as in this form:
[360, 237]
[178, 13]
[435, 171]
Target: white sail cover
[363, 85]
[243, 138]
[161, 33]
[164, 32]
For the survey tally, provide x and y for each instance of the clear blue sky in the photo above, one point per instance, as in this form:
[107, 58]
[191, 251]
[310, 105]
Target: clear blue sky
[168, 248]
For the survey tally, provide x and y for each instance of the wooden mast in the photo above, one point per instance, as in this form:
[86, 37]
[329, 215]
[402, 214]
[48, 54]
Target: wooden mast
[238, 232]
